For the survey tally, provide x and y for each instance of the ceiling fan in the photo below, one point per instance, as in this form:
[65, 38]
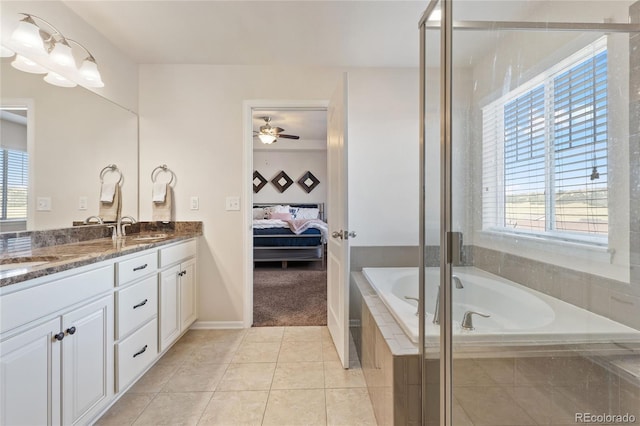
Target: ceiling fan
[269, 134]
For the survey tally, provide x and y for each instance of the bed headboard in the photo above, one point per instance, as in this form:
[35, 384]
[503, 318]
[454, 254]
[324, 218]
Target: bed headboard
[319, 206]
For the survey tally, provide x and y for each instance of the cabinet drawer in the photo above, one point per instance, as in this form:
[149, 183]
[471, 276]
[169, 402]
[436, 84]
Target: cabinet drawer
[135, 353]
[129, 270]
[177, 253]
[136, 305]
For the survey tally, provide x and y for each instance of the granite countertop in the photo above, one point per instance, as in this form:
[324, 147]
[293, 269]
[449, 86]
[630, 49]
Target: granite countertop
[48, 252]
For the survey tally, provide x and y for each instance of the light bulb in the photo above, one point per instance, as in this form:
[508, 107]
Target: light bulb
[58, 80]
[90, 74]
[27, 65]
[266, 139]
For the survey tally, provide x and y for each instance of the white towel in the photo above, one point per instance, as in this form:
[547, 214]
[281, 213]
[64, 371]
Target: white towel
[107, 191]
[159, 192]
[163, 212]
[110, 211]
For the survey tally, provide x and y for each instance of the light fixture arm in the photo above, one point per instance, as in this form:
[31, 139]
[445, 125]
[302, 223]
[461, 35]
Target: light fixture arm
[90, 57]
[29, 18]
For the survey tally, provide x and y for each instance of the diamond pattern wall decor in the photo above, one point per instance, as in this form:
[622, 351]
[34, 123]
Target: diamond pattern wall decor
[282, 181]
[308, 182]
[258, 181]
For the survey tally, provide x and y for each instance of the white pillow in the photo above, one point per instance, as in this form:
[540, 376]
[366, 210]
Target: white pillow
[307, 213]
[259, 213]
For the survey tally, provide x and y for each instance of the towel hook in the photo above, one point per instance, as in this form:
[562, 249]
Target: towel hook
[111, 168]
[165, 169]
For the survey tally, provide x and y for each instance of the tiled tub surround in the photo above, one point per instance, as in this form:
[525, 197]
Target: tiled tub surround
[510, 385]
[64, 249]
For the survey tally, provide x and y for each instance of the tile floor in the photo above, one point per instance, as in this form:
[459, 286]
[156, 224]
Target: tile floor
[261, 376]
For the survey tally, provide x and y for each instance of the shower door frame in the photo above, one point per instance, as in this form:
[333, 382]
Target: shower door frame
[446, 27]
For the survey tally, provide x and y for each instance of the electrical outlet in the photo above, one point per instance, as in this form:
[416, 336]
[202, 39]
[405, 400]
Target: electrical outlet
[43, 204]
[233, 203]
[195, 203]
[82, 203]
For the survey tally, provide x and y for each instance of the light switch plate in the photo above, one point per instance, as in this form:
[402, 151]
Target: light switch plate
[195, 203]
[233, 203]
[82, 203]
[43, 204]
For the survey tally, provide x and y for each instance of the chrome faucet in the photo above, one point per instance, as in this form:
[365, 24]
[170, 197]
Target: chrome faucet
[436, 311]
[467, 319]
[457, 281]
[123, 225]
[417, 300]
[87, 221]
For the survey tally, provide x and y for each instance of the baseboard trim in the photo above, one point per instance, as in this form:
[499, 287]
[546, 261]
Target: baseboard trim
[209, 325]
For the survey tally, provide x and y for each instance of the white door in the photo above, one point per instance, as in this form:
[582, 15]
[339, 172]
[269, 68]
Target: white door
[338, 245]
[87, 361]
[188, 303]
[169, 306]
[30, 376]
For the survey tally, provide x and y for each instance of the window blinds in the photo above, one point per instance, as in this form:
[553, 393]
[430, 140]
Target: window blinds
[14, 177]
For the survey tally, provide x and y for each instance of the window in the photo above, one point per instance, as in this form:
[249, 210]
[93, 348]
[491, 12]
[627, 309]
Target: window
[545, 152]
[14, 176]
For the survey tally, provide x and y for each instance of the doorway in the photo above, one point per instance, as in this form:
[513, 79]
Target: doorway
[285, 271]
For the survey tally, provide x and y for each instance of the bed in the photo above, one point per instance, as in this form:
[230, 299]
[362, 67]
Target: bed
[289, 232]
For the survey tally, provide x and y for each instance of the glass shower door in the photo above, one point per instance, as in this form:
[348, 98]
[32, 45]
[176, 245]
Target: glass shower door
[538, 166]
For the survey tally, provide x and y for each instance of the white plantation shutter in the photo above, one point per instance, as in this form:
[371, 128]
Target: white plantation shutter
[544, 164]
[14, 177]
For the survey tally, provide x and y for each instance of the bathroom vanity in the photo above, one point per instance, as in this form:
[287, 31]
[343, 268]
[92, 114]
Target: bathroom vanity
[81, 322]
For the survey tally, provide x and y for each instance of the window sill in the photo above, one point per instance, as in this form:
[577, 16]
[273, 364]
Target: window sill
[586, 245]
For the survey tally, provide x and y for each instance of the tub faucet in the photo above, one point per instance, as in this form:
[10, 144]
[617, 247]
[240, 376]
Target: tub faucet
[467, 319]
[457, 281]
[88, 220]
[417, 300]
[436, 311]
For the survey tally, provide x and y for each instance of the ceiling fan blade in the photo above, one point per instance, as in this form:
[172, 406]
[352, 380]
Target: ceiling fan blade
[280, 135]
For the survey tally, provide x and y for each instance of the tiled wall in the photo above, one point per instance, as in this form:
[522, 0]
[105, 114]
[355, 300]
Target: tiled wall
[634, 147]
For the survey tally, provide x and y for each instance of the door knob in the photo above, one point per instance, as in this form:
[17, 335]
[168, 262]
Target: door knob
[351, 234]
[337, 234]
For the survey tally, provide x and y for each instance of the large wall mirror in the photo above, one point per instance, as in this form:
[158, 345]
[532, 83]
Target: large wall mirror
[69, 136]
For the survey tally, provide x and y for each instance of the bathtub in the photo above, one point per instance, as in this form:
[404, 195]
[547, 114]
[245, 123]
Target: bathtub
[518, 314]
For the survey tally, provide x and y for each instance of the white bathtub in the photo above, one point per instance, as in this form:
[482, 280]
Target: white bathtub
[517, 314]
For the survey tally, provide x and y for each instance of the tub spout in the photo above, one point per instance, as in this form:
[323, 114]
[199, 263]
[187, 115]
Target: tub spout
[457, 281]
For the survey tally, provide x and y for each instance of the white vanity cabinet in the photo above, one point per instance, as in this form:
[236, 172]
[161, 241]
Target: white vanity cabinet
[178, 302]
[56, 348]
[136, 319]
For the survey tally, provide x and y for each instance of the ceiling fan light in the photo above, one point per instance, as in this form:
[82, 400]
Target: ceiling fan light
[266, 138]
[58, 80]
[27, 65]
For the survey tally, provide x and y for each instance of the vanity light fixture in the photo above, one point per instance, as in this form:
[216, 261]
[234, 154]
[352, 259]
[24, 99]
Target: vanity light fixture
[49, 52]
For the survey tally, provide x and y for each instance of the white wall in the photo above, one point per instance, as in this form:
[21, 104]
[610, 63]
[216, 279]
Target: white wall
[295, 164]
[191, 118]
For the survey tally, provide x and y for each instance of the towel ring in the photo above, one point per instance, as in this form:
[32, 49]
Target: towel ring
[111, 168]
[165, 169]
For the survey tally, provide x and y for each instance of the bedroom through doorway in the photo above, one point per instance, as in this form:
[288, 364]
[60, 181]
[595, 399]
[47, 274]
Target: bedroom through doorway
[289, 227]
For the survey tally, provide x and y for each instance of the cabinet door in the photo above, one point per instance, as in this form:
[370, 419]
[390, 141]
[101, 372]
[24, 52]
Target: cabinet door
[87, 360]
[30, 377]
[188, 302]
[169, 314]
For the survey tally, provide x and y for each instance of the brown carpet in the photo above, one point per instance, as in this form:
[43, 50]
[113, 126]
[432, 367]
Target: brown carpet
[289, 297]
